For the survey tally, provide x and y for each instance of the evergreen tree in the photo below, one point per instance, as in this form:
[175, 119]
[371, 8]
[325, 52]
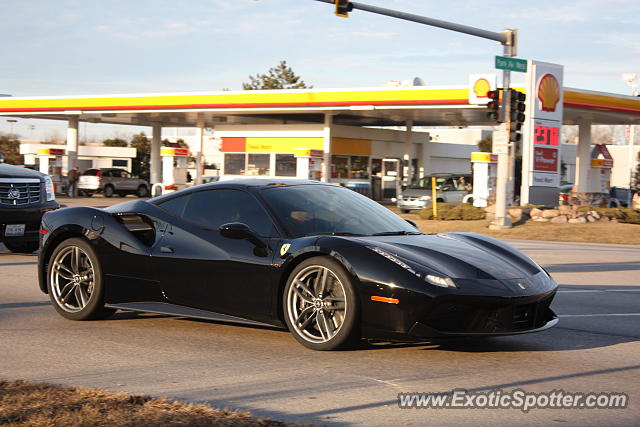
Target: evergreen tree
[278, 77]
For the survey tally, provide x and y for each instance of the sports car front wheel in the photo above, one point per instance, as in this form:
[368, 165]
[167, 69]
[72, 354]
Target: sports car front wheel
[320, 304]
[74, 280]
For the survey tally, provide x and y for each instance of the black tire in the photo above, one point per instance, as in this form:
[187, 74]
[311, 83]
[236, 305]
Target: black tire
[122, 194]
[347, 334]
[94, 307]
[405, 211]
[88, 194]
[143, 191]
[22, 247]
[108, 191]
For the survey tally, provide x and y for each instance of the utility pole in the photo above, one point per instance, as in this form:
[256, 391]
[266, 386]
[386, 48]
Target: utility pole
[508, 39]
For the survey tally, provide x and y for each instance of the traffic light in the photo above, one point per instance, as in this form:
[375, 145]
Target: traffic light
[517, 116]
[343, 7]
[494, 105]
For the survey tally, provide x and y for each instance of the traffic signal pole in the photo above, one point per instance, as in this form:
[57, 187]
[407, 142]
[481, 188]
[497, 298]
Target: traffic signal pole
[508, 39]
[505, 156]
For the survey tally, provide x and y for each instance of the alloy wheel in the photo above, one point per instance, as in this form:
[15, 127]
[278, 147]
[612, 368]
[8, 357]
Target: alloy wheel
[316, 304]
[72, 279]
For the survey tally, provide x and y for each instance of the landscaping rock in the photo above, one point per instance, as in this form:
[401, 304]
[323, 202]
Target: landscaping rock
[540, 219]
[516, 214]
[595, 214]
[550, 213]
[560, 219]
[604, 219]
[535, 212]
[490, 209]
[580, 220]
[591, 218]
[566, 210]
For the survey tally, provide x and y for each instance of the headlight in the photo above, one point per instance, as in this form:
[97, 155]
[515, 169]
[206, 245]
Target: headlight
[443, 282]
[433, 279]
[400, 197]
[48, 187]
[425, 198]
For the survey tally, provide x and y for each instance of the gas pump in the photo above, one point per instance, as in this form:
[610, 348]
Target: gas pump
[309, 163]
[50, 163]
[174, 169]
[484, 178]
[600, 175]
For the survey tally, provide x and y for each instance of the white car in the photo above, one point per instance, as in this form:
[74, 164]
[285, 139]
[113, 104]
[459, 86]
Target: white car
[111, 181]
[454, 189]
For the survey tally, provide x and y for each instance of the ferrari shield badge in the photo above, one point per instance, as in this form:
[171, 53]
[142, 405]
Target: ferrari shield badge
[284, 248]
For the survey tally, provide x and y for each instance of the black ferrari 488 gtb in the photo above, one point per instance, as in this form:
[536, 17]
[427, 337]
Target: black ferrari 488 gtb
[329, 264]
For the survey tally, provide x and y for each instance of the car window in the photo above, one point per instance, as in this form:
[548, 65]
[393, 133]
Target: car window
[106, 174]
[122, 174]
[216, 207]
[319, 209]
[90, 172]
[175, 205]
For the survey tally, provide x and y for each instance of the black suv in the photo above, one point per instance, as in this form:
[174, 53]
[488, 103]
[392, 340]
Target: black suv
[24, 197]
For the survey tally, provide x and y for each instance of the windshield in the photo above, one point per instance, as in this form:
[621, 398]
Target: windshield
[457, 183]
[307, 210]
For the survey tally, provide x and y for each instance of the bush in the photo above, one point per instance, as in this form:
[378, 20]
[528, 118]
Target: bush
[627, 215]
[447, 212]
[427, 213]
[464, 211]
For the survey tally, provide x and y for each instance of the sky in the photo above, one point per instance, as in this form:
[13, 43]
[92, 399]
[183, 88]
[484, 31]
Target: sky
[71, 47]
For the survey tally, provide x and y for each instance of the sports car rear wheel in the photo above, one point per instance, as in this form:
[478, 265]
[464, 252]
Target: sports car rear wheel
[320, 304]
[75, 283]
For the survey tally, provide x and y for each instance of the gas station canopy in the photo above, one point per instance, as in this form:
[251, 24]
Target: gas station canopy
[425, 106]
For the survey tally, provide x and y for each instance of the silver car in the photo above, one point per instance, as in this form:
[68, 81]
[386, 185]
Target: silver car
[111, 181]
[453, 189]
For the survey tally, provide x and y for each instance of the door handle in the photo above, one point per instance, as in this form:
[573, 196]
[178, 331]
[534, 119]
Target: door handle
[166, 250]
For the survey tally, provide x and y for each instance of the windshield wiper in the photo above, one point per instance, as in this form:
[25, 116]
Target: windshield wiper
[334, 233]
[396, 233]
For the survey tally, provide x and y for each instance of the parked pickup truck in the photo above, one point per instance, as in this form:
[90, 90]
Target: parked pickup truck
[25, 195]
[111, 181]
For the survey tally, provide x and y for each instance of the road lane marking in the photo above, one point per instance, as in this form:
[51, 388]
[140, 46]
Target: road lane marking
[586, 291]
[599, 315]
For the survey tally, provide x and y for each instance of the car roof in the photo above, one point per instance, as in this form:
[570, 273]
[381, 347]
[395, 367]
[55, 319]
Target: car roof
[253, 183]
[263, 182]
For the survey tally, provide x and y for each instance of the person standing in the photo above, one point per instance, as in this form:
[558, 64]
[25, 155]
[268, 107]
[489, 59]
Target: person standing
[72, 178]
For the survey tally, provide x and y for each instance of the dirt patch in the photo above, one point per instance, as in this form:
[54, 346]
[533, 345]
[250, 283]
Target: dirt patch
[599, 232]
[28, 404]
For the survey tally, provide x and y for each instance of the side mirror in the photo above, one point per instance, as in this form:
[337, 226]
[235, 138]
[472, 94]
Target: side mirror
[238, 230]
[412, 223]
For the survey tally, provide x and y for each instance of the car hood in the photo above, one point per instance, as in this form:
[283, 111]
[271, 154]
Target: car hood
[459, 255]
[10, 171]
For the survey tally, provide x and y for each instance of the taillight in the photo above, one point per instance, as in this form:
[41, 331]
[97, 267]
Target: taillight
[43, 231]
[170, 187]
[564, 197]
[99, 175]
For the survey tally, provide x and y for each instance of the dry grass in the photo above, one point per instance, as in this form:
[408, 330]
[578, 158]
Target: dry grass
[28, 404]
[598, 232]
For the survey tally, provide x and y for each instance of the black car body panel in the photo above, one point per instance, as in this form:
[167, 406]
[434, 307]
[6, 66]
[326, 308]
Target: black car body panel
[152, 255]
[23, 200]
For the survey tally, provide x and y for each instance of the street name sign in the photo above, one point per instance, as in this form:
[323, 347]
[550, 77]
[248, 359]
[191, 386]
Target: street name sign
[511, 64]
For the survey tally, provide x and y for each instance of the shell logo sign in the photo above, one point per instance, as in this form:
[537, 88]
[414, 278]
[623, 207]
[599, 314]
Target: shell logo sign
[548, 92]
[481, 87]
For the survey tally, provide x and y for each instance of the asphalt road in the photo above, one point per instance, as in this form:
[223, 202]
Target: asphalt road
[595, 348]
